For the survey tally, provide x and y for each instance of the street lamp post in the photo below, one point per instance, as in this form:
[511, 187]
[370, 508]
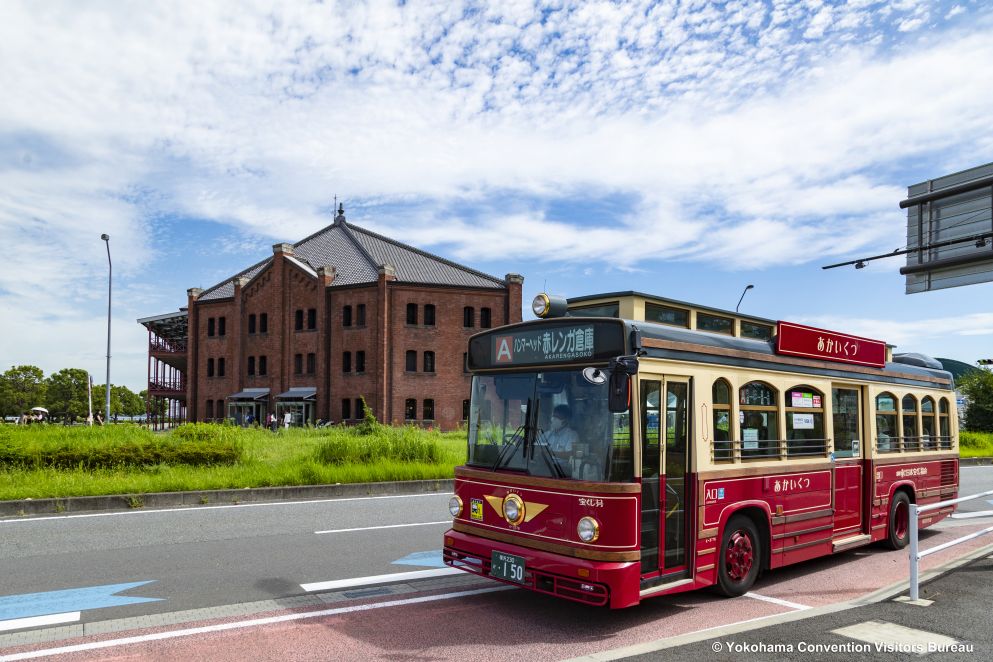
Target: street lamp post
[110, 281]
[747, 287]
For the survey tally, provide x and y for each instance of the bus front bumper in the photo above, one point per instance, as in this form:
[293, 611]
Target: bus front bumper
[599, 583]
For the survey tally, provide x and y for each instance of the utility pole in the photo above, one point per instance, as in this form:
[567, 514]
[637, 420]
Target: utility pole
[110, 282]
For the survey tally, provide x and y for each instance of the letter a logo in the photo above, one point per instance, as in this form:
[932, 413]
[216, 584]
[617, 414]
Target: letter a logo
[504, 352]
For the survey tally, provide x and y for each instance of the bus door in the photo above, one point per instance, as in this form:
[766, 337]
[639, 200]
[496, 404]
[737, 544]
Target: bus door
[849, 466]
[665, 486]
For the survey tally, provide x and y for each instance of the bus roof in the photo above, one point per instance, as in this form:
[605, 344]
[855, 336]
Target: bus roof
[664, 341]
[668, 342]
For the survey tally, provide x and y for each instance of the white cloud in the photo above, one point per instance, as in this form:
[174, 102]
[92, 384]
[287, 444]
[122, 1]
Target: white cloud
[759, 128]
[934, 336]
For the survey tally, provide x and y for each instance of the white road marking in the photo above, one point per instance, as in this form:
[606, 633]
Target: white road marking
[230, 505]
[336, 584]
[895, 637]
[221, 627]
[35, 621]
[776, 601]
[385, 526]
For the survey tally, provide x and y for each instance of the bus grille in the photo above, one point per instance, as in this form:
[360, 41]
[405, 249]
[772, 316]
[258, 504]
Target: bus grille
[947, 472]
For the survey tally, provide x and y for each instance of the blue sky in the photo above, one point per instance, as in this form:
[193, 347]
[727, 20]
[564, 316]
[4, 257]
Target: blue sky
[680, 148]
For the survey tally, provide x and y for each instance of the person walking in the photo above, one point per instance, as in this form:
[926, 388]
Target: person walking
[287, 419]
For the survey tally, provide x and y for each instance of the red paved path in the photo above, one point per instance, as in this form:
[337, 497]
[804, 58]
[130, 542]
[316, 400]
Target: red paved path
[518, 625]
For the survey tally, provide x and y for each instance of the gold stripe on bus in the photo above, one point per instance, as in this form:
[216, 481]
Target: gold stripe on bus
[915, 458]
[775, 358]
[564, 485]
[767, 470]
[585, 554]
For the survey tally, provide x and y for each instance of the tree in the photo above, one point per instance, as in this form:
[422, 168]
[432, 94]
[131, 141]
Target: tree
[21, 388]
[132, 404]
[67, 392]
[978, 389]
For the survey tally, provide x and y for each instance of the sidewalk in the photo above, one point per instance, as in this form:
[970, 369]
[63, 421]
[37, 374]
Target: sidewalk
[956, 626]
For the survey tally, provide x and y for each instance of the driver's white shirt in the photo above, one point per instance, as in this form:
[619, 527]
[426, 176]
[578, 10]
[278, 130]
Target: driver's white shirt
[561, 440]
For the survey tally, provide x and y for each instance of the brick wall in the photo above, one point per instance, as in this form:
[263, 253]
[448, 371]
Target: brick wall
[386, 337]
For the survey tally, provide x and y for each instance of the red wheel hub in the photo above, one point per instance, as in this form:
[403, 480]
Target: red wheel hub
[901, 518]
[739, 556]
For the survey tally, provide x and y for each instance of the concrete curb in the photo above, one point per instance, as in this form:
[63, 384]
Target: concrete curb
[26, 507]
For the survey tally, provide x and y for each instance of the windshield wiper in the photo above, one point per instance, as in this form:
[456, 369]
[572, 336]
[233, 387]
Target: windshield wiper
[547, 454]
[520, 434]
[550, 459]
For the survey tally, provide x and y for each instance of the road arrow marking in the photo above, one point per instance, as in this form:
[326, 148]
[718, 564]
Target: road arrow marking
[67, 601]
[430, 559]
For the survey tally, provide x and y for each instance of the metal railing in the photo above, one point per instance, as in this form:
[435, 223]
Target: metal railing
[158, 344]
[913, 444]
[916, 555]
[768, 449]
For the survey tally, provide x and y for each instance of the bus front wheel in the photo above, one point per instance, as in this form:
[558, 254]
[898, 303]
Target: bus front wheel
[740, 556]
[899, 522]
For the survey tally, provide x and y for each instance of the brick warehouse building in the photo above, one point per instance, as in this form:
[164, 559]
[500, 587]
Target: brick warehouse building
[341, 315]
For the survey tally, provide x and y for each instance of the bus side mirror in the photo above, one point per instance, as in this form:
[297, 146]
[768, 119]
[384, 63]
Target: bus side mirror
[620, 392]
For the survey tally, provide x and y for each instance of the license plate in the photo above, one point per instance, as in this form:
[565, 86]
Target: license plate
[507, 567]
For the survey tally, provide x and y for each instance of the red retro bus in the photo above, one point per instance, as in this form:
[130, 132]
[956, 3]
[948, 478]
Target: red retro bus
[613, 460]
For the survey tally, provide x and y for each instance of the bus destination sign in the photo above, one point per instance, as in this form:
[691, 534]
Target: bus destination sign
[809, 342]
[545, 346]
[547, 343]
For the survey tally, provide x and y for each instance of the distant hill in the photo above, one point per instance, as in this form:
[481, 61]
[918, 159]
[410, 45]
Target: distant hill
[957, 368]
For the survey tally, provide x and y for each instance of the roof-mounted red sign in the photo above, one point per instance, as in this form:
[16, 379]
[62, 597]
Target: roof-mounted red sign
[811, 343]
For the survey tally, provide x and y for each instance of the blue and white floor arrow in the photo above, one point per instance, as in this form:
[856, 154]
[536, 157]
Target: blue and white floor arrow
[430, 559]
[33, 609]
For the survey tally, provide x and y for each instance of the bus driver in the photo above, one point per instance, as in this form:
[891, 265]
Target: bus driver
[561, 438]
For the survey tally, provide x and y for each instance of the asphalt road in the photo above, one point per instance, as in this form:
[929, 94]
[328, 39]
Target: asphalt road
[209, 556]
[215, 556]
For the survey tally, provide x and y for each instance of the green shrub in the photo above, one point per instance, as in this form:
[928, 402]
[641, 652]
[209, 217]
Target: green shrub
[351, 445]
[97, 448]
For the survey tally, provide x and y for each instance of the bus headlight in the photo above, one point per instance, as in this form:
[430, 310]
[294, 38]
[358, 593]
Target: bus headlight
[541, 305]
[455, 506]
[588, 529]
[513, 509]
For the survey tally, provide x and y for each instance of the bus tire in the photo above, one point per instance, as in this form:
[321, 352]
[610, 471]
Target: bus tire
[898, 523]
[740, 556]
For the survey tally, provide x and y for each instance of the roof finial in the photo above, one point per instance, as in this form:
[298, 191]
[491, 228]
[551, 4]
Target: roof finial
[340, 218]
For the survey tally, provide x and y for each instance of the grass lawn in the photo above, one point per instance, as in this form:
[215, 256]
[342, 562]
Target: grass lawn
[976, 444]
[54, 461]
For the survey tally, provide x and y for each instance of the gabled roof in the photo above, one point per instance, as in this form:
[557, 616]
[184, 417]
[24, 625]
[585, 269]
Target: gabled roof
[356, 255]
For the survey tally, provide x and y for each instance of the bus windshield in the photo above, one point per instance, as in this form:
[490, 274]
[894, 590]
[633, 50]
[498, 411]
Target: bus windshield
[552, 424]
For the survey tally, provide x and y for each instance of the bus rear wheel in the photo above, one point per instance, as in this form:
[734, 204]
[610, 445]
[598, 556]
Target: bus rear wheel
[899, 522]
[740, 556]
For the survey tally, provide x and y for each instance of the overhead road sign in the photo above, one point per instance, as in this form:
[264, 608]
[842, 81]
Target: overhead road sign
[950, 231]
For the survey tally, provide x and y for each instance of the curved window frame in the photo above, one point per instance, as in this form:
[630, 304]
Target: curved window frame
[723, 449]
[910, 440]
[765, 446]
[944, 425]
[812, 446]
[891, 443]
[929, 433]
